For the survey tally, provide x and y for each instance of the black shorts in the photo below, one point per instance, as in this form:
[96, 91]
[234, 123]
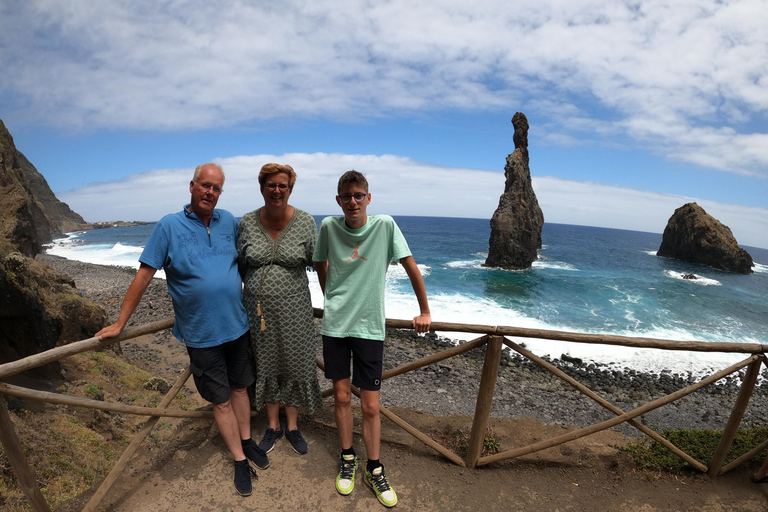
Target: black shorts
[220, 369]
[367, 360]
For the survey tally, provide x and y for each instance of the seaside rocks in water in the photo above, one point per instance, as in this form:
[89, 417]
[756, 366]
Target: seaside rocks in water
[39, 308]
[695, 236]
[516, 224]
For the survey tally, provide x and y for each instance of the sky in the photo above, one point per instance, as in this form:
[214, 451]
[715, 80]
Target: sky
[635, 108]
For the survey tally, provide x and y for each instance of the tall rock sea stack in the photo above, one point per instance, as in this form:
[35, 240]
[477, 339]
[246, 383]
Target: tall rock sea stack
[516, 224]
[39, 308]
[695, 236]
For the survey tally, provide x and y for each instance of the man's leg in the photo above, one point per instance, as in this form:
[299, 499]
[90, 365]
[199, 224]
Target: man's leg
[241, 406]
[371, 422]
[342, 400]
[229, 427]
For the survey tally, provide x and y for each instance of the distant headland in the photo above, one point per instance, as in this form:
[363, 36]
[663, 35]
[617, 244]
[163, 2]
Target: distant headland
[118, 224]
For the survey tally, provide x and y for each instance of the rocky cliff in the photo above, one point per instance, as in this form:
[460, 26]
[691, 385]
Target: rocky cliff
[39, 308]
[30, 212]
[516, 224]
[695, 236]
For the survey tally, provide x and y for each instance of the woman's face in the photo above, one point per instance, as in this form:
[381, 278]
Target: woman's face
[276, 190]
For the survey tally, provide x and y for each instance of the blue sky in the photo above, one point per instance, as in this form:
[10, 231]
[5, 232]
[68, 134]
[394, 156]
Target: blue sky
[635, 108]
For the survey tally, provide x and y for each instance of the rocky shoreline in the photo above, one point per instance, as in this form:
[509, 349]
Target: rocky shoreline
[450, 387]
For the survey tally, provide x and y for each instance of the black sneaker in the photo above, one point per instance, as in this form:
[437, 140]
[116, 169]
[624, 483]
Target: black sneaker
[297, 441]
[243, 472]
[267, 442]
[256, 454]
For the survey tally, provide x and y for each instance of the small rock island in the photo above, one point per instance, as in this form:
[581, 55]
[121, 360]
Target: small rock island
[694, 236]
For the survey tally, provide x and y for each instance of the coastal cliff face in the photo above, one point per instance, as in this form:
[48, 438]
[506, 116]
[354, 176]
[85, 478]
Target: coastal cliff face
[517, 222]
[39, 308]
[695, 236]
[30, 211]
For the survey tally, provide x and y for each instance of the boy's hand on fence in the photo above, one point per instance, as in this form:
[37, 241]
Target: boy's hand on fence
[422, 322]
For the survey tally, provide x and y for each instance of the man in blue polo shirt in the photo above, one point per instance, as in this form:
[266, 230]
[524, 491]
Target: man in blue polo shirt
[196, 248]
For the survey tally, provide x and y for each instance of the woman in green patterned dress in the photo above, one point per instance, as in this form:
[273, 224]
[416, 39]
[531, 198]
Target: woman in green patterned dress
[275, 245]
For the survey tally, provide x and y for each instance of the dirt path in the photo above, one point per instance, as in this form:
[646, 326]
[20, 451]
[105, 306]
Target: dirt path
[193, 473]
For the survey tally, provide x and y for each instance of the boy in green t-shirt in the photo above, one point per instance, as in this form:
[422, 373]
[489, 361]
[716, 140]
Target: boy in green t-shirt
[351, 257]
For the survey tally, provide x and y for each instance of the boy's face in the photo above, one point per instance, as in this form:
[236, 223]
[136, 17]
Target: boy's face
[354, 210]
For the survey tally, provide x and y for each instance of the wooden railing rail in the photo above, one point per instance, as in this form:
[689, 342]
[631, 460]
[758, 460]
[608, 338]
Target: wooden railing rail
[492, 337]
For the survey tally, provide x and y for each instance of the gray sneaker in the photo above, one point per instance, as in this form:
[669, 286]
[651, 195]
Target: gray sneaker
[267, 442]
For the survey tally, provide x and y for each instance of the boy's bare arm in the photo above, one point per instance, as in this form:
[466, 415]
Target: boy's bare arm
[422, 322]
[321, 267]
[132, 298]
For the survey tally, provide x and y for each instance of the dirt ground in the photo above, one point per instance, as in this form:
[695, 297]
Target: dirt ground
[192, 472]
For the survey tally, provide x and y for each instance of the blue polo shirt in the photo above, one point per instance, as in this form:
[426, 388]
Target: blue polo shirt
[200, 266]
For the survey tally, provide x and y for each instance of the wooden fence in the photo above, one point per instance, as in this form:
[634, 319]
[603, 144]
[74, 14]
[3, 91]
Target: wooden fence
[493, 338]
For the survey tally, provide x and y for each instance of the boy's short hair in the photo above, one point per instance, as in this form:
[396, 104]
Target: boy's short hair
[352, 176]
[269, 169]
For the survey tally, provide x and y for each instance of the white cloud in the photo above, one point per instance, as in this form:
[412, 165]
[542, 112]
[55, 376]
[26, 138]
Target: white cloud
[686, 79]
[403, 186]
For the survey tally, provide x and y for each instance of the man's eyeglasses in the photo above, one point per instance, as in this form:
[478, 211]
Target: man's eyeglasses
[282, 187]
[210, 186]
[359, 196]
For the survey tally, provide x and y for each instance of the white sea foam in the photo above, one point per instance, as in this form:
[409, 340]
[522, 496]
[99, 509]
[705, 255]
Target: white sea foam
[469, 264]
[397, 272]
[112, 254]
[557, 265]
[760, 268]
[700, 280]
[458, 308]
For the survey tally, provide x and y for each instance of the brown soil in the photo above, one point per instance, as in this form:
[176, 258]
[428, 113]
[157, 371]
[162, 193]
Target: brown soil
[190, 470]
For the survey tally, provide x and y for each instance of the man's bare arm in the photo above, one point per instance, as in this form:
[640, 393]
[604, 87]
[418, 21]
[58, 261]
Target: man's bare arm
[132, 298]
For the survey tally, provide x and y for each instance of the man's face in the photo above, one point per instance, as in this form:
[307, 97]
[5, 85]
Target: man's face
[206, 190]
[354, 200]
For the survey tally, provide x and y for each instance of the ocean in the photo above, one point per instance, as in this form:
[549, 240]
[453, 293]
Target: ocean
[587, 279]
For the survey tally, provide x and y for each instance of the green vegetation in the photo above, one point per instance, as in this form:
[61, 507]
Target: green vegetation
[457, 440]
[71, 448]
[93, 391]
[699, 444]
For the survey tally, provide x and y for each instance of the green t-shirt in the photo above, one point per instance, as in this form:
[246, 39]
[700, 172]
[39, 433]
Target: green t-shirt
[357, 268]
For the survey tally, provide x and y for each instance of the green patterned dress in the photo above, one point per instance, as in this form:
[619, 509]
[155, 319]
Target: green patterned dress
[285, 351]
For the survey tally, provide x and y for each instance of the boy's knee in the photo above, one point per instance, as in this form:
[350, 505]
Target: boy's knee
[343, 398]
[370, 408]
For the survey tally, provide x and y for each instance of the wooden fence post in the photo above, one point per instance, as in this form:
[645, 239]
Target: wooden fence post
[484, 399]
[15, 454]
[732, 427]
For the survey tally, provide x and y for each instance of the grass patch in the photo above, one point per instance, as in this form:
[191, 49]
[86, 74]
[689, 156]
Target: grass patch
[69, 448]
[699, 444]
[457, 440]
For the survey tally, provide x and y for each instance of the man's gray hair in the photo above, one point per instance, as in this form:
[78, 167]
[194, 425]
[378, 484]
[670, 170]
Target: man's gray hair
[200, 167]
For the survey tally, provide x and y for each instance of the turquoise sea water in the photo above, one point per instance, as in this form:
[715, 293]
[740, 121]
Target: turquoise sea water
[587, 279]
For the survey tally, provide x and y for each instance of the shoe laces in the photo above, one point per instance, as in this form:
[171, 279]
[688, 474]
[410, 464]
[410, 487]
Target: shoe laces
[270, 435]
[294, 435]
[247, 469]
[347, 469]
[380, 481]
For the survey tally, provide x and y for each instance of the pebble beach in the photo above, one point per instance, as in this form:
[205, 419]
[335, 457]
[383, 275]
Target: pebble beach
[450, 387]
